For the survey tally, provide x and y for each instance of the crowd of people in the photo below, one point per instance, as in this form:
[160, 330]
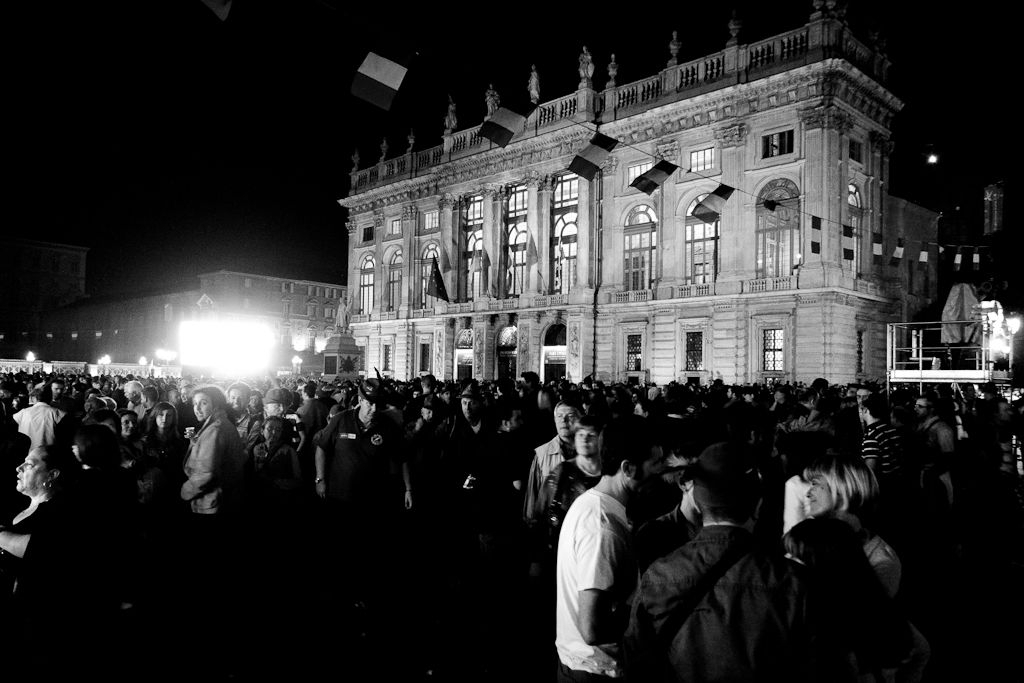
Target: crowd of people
[281, 528]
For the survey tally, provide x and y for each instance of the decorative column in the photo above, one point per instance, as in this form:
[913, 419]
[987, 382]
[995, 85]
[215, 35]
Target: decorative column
[736, 235]
[380, 276]
[611, 230]
[445, 222]
[583, 237]
[544, 231]
[495, 274]
[489, 193]
[670, 235]
[410, 216]
[533, 181]
[825, 192]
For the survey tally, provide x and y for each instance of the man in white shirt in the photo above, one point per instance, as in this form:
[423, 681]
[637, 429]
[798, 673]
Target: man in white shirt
[596, 570]
[39, 421]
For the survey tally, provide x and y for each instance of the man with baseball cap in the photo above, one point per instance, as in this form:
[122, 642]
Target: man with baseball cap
[719, 608]
[355, 456]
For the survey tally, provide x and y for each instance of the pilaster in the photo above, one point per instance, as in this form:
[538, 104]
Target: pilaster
[736, 233]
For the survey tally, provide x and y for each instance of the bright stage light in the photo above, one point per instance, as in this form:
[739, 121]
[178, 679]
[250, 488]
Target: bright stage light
[30, 357]
[104, 360]
[143, 360]
[227, 349]
[165, 355]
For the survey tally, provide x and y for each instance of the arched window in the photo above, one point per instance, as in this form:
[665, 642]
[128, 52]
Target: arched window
[395, 281]
[508, 343]
[515, 240]
[564, 233]
[424, 300]
[855, 219]
[471, 265]
[366, 276]
[778, 230]
[640, 239]
[701, 258]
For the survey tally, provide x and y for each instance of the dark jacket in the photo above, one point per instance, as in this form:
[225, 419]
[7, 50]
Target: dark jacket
[753, 625]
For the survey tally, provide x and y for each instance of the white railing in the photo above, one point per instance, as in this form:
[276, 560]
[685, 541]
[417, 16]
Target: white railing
[632, 296]
[687, 291]
[770, 284]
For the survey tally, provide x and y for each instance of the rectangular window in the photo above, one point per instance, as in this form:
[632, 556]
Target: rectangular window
[49, 335]
[425, 357]
[777, 144]
[394, 288]
[702, 160]
[638, 272]
[99, 333]
[395, 226]
[309, 290]
[311, 310]
[694, 351]
[430, 221]
[291, 287]
[772, 350]
[284, 287]
[516, 236]
[248, 282]
[634, 352]
[74, 335]
[368, 233]
[856, 151]
[633, 172]
[387, 357]
[286, 307]
[471, 282]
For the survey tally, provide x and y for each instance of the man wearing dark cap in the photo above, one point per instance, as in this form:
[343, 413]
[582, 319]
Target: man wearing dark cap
[355, 456]
[718, 608]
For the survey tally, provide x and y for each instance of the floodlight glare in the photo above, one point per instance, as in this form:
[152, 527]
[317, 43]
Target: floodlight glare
[1013, 324]
[296, 360]
[143, 360]
[227, 349]
[933, 158]
[30, 357]
[320, 344]
[104, 360]
[165, 355]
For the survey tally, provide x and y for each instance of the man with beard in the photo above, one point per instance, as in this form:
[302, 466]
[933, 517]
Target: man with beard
[596, 570]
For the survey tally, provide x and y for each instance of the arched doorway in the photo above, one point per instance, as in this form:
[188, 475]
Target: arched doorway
[553, 353]
[464, 355]
[508, 347]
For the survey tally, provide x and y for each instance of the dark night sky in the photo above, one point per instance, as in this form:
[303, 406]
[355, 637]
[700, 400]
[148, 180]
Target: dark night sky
[171, 143]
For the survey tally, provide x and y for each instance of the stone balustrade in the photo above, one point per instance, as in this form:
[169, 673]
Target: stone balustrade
[818, 40]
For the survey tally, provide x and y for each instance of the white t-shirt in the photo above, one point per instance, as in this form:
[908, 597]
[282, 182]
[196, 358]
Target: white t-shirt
[593, 553]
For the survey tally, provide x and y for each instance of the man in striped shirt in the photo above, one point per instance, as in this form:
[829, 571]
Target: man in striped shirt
[882, 448]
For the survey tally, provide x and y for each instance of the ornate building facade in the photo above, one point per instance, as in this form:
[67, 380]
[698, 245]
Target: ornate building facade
[549, 272]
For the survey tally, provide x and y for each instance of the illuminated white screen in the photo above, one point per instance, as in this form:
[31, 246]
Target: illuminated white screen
[234, 349]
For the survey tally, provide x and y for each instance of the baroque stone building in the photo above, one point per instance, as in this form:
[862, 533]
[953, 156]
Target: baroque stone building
[549, 272]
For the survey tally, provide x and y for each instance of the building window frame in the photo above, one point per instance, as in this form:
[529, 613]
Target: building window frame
[778, 144]
[472, 241]
[516, 236]
[634, 171]
[367, 275]
[702, 159]
[394, 293]
[777, 232]
[700, 250]
[639, 246]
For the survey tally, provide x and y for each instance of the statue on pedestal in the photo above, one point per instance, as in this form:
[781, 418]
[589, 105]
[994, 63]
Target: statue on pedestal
[493, 101]
[533, 86]
[411, 139]
[383, 149]
[355, 160]
[673, 48]
[586, 68]
[451, 122]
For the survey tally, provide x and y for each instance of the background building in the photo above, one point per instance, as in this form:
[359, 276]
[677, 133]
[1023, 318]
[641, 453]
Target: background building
[36, 277]
[552, 273]
[303, 315]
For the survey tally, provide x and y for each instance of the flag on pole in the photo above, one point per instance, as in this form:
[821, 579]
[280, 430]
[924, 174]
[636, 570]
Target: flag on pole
[654, 177]
[847, 242]
[588, 162]
[503, 125]
[957, 259]
[531, 252]
[435, 285]
[377, 81]
[897, 253]
[710, 208]
[815, 234]
[876, 248]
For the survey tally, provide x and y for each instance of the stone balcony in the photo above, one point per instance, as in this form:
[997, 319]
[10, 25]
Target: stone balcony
[822, 38]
